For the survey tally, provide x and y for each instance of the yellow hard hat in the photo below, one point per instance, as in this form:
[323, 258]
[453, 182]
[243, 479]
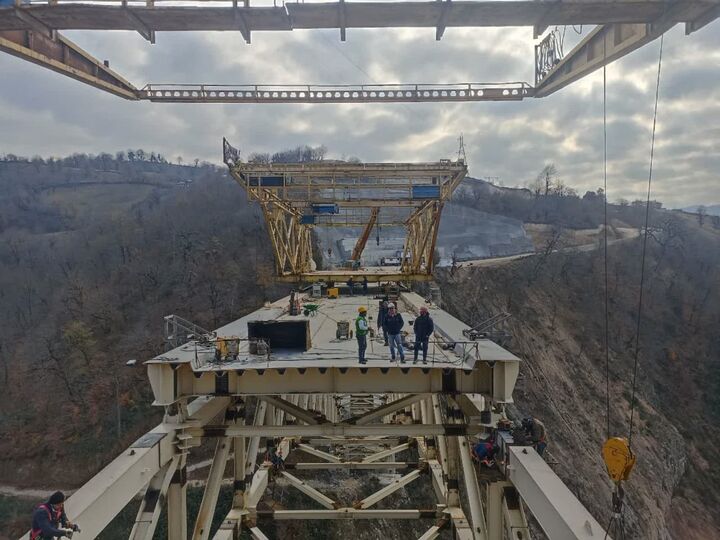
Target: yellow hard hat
[362, 309]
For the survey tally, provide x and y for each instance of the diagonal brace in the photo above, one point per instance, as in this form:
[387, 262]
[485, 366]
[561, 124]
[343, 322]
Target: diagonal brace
[310, 491]
[388, 490]
[385, 453]
[296, 411]
[386, 409]
[318, 453]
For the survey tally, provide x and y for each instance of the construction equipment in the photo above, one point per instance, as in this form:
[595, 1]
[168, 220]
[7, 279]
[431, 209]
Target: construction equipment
[227, 348]
[310, 310]
[343, 330]
[360, 245]
[619, 458]
[333, 292]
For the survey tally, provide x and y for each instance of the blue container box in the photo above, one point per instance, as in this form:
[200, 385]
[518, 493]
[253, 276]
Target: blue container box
[426, 192]
[326, 209]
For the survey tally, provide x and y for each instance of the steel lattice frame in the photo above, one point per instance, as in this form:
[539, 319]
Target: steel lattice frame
[357, 190]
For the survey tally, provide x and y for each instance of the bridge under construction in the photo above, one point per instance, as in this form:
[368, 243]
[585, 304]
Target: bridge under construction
[282, 396]
[31, 31]
[280, 391]
[293, 388]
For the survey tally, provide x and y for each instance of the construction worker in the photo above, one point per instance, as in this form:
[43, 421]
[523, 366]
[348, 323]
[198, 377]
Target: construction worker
[361, 331]
[365, 285]
[484, 452]
[49, 519]
[351, 286]
[535, 430]
[393, 324]
[382, 313]
[424, 328]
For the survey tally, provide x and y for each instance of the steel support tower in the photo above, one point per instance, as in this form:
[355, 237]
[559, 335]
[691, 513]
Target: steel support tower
[315, 406]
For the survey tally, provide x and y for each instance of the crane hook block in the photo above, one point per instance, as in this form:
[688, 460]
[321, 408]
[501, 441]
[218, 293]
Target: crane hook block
[618, 457]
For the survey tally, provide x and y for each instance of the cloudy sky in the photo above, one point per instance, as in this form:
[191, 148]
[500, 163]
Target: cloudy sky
[44, 113]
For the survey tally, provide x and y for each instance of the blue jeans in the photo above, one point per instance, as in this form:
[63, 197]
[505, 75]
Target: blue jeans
[362, 347]
[421, 343]
[395, 341]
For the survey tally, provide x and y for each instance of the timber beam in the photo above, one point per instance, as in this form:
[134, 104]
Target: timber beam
[50, 50]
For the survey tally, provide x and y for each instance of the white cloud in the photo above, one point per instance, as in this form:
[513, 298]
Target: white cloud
[52, 115]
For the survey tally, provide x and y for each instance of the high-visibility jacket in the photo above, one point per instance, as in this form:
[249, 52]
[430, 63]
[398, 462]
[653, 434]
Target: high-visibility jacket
[361, 326]
[45, 522]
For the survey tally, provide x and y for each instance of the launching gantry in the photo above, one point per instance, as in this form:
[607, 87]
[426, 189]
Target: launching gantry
[296, 197]
[293, 389]
[30, 30]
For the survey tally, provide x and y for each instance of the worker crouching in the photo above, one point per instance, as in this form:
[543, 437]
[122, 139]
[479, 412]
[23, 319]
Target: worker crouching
[361, 331]
[49, 519]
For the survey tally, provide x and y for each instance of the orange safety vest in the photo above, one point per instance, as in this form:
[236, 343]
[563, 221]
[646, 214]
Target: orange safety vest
[35, 533]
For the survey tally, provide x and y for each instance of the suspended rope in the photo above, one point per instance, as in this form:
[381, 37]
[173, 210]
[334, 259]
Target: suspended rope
[617, 451]
[644, 248]
[605, 258]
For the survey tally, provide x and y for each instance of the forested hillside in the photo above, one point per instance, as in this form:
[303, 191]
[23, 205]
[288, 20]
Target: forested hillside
[94, 251]
[556, 300]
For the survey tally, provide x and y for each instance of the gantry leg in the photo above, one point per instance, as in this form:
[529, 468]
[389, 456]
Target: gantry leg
[212, 490]
[177, 503]
[149, 511]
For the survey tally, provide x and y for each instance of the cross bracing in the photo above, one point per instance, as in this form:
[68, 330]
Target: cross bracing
[296, 197]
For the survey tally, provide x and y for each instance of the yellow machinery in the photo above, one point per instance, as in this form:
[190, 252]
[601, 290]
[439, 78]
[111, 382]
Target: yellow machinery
[333, 292]
[295, 198]
[227, 348]
[619, 458]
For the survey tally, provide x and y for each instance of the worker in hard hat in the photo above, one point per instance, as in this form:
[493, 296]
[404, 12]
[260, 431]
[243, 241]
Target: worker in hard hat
[393, 324]
[424, 328]
[49, 519]
[361, 331]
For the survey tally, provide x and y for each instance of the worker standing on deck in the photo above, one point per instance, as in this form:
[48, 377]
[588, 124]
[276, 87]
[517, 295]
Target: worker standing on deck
[424, 328]
[535, 429]
[392, 324]
[49, 519]
[382, 313]
[361, 331]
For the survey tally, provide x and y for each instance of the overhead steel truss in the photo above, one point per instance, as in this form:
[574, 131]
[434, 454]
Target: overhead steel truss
[437, 465]
[31, 31]
[295, 197]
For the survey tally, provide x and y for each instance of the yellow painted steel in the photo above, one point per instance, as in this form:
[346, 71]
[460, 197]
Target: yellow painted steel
[333, 292]
[619, 458]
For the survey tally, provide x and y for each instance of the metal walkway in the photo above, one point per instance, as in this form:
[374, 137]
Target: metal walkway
[380, 93]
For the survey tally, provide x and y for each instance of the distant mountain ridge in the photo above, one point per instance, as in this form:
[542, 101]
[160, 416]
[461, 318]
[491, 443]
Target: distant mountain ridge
[713, 209]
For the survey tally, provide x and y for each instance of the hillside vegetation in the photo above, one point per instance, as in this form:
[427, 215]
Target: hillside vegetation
[557, 304]
[94, 251]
